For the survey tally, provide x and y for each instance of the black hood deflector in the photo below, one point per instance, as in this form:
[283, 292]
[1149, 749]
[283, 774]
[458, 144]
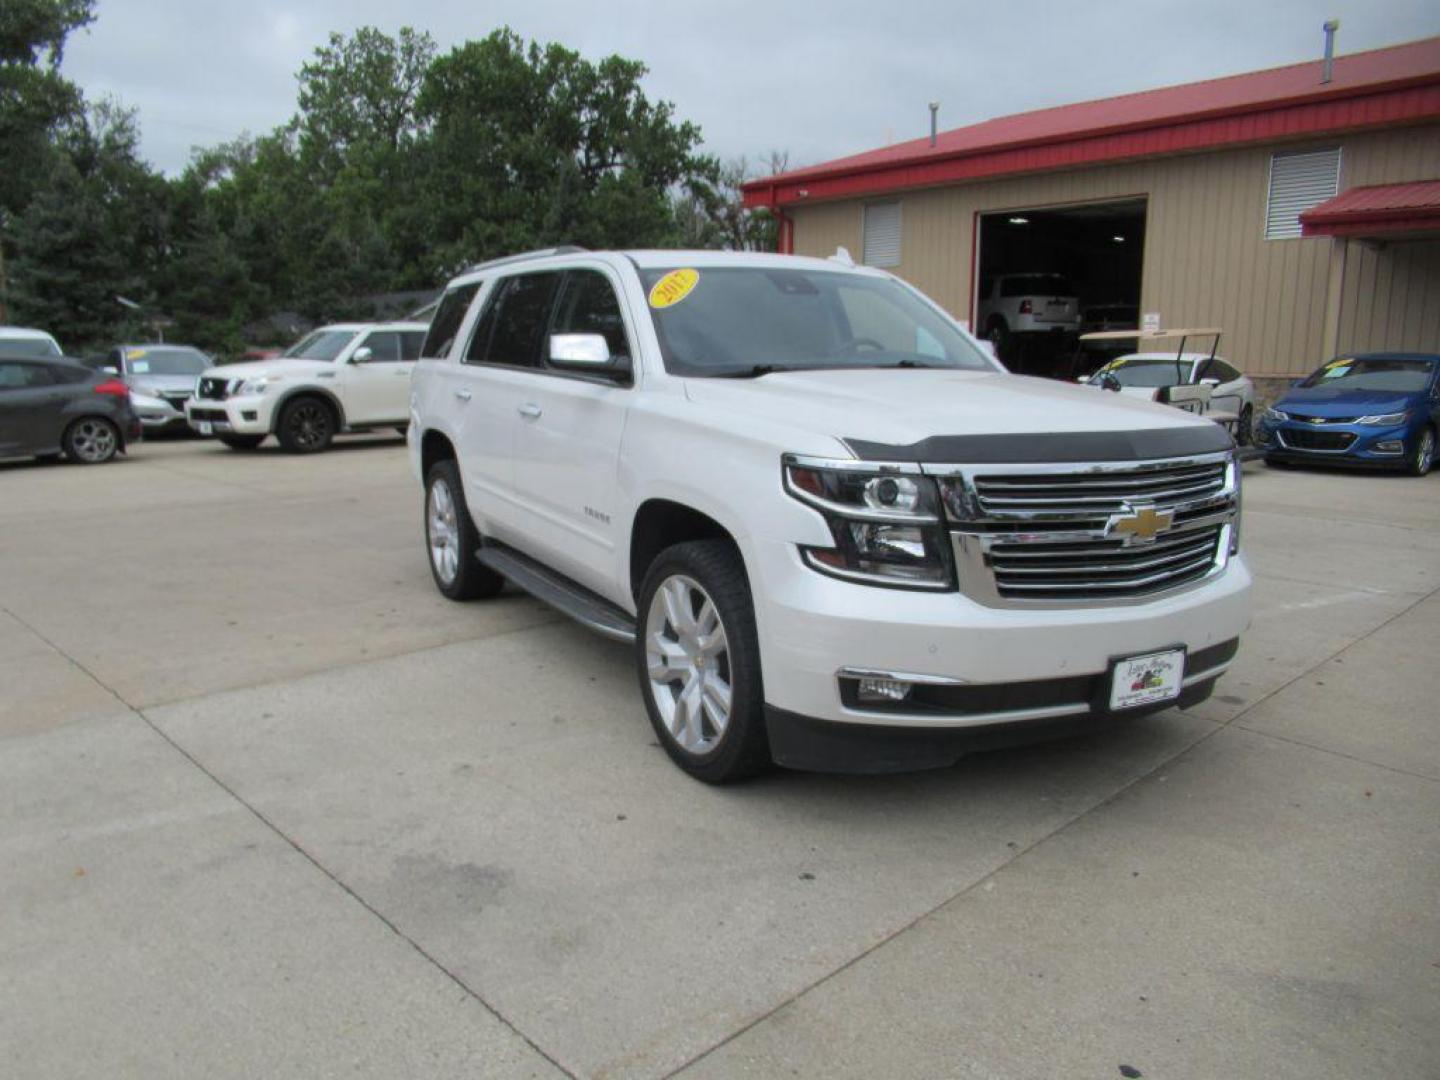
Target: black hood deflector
[1051, 447]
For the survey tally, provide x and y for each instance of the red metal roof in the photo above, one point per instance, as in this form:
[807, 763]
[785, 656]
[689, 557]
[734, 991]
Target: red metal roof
[1399, 84]
[1385, 208]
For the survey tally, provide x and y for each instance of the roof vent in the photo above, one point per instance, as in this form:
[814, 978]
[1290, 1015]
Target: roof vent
[934, 113]
[1331, 25]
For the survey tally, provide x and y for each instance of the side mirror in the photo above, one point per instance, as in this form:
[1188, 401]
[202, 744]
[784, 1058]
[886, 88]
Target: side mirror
[362, 355]
[1109, 382]
[110, 370]
[586, 352]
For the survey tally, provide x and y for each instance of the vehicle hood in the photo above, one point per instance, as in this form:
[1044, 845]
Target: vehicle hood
[903, 407]
[160, 384]
[296, 369]
[1333, 401]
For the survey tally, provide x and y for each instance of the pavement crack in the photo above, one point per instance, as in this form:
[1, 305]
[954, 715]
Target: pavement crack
[1059, 829]
[300, 850]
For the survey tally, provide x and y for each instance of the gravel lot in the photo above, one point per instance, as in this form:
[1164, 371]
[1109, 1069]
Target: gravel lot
[269, 806]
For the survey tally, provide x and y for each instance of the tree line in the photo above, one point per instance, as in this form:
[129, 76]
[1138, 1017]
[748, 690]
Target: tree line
[400, 167]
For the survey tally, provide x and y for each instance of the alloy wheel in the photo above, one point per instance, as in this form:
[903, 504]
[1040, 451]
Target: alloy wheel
[310, 425]
[442, 528]
[94, 441]
[688, 663]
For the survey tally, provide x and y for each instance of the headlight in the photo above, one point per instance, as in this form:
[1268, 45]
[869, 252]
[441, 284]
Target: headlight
[1390, 419]
[258, 385]
[886, 524]
[1276, 415]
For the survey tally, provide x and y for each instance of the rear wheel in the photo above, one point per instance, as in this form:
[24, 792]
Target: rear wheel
[451, 539]
[698, 659]
[242, 442]
[307, 425]
[91, 440]
[1424, 456]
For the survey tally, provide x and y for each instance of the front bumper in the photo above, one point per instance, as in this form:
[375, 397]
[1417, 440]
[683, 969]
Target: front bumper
[159, 415]
[248, 415]
[1339, 444]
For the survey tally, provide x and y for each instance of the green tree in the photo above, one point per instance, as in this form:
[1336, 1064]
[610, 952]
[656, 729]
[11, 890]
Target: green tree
[34, 100]
[715, 216]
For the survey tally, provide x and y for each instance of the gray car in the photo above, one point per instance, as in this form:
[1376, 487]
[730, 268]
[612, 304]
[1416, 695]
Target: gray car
[161, 379]
[50, 407]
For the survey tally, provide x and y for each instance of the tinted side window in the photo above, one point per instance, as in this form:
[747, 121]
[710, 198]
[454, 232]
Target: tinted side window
[384, 345]
[1226, 372]
[588, 305]
[23, 376]
[410, 342]
[446, 324]
[522, 312]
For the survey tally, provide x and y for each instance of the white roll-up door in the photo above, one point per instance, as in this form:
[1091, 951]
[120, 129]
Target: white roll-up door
[1299, 182]
[882, 234]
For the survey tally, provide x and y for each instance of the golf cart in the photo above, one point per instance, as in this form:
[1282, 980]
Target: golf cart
[1198, 381]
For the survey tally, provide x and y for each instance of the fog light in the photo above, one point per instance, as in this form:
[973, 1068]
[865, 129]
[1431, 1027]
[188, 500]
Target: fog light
[884, 690]
[1390, 446]
[249, 414]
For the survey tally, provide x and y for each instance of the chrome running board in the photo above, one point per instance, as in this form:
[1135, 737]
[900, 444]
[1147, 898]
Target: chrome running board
[564, 595]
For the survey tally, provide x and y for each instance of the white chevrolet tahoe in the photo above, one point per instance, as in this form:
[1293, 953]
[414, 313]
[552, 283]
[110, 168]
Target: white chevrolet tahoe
[343, 378]
[839, 535]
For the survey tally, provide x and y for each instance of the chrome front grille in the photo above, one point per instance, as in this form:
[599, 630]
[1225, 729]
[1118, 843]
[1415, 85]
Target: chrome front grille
[1083, 494]
[1073, 536]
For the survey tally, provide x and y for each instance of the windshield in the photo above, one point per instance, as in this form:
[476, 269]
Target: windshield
[159, 360]
[1135, 371]
[321, 345]
[1399, 376]
[748, 321]
[27, 346]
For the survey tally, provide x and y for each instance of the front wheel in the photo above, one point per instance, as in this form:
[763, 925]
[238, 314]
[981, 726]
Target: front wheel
[1424, 456]
[698, 660]
[91, 440]
[242, 442]
[1245, 429]
[451, 539]
[306, 426]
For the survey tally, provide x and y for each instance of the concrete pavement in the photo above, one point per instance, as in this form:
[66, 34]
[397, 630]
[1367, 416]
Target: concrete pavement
[270, 806]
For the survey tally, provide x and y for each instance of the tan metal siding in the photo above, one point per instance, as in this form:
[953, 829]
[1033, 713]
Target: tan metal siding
[1206, 259]
[1391, 298]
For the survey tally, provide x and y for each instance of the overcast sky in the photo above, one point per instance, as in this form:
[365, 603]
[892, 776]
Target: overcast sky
[821, 80]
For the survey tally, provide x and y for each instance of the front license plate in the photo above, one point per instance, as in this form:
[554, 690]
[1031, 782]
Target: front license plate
[1144, 680]
[206, 427]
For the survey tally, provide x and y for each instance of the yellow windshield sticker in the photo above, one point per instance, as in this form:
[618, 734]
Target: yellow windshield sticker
[134, 354]
[673, 287]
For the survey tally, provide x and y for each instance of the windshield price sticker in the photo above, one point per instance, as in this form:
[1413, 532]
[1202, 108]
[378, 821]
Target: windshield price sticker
[1144, 680]
[134, 354]
[673, 287]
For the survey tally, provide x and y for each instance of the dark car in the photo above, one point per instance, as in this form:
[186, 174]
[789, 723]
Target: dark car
[1376, 409]
[50, 407]
[161, 379]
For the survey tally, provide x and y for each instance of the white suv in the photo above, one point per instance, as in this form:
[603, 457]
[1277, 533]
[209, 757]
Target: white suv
[839, 535]
[342, 378]
[1028, 304]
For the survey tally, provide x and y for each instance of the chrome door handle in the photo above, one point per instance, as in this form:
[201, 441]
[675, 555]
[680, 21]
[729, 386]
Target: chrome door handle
[463, 395]
[529, 411]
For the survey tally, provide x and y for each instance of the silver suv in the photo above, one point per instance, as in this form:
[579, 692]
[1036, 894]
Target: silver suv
[1028, 304]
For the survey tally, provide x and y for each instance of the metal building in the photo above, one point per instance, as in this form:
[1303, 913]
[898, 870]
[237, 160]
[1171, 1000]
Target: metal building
[1300, 214]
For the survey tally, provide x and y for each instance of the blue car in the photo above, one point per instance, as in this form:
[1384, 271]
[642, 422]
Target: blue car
[1376, 409]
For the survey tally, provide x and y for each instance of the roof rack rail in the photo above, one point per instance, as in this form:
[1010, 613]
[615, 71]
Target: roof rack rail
[525, 256]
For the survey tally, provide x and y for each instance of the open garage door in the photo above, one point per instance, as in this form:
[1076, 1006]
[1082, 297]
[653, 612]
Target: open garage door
[1045, 275]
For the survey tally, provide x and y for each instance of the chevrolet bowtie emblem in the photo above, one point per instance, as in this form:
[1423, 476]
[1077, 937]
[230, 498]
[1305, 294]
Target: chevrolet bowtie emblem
[1140, 527]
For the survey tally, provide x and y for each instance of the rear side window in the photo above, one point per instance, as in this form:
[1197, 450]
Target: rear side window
[446, 323]
[23, 376]
[588, 306]
[514, 321]
[410, 342]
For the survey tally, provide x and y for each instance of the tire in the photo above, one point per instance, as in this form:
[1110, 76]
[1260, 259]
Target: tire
[1424, 456]
[306, 425]
[686, 674]
[1245, 429]
[91, 440]
[242, 442]
[451, 539]
[999, 336]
